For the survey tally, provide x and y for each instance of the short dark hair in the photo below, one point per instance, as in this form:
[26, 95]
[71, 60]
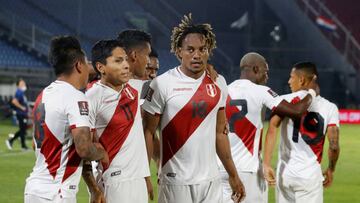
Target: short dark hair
[132, 38]
[153, 53]
[102, 50]
[307, 67]
[64, 52]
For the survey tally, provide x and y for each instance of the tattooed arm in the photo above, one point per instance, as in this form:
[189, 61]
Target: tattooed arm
[85, 147]
[333, 154]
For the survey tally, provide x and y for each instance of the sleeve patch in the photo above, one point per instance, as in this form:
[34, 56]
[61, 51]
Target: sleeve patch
[83, 108]
[149, 94]
[272, 93]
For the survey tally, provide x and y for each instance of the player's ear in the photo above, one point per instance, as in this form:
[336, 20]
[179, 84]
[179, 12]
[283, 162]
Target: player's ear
[132, 55]
[302, 80]
[256, 69]
[178, 53]
[78, 66]
[100, 67]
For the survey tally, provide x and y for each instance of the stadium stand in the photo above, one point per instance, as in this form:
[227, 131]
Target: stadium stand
[11, 56]
[91, 20]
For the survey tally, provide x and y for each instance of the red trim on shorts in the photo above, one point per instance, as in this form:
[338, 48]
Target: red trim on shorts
[72, 127]
[331, 124]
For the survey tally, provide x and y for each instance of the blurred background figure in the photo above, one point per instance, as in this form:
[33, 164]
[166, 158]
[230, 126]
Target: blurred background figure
[153, 65]
[20, 105]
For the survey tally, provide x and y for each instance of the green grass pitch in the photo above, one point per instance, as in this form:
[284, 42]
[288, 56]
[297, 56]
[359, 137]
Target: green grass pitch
[16, 165]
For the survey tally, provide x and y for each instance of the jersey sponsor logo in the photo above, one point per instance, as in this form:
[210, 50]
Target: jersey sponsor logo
[129, 93]
[72, 187]
[183, 89]
[115, 173]
[149, 94]
[172, 175]
[211, 90]
[83, 108]
[272, 93]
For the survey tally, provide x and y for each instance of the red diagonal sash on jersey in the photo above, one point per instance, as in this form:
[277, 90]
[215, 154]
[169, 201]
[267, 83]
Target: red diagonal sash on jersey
[121, 122]
[72, 163]
[50, 146]
[244, 129]
[184, 123]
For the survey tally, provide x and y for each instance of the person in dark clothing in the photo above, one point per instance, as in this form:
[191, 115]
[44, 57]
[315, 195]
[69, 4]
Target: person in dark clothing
[20, 104]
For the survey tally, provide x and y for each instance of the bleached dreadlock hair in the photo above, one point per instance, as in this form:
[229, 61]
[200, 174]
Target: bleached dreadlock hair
[186, 27]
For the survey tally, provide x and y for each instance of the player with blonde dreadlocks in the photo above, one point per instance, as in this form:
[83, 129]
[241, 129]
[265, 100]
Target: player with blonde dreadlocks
[190, 107]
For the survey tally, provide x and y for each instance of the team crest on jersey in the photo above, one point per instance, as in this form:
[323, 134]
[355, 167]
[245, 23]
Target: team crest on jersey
[129, 93]
[211, 90]
[83, 108]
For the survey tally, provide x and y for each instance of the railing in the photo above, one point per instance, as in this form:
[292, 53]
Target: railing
[24, 32]
[341, 38]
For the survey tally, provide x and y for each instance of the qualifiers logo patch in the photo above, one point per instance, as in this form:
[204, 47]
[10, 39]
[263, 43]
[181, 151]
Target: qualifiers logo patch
[83, 108]
[211, 90]
[149, 94]
[272, 93]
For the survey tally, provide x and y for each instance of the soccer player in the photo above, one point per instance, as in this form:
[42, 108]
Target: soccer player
[246, 99]
[61, 123]
[116, 118]
[299, 177]
[189, 107]
[153, 66]
[137, 45]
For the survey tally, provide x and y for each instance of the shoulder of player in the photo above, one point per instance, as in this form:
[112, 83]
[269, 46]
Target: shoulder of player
[326, 102]
[136, 84]
[164, 80]
[220, 80]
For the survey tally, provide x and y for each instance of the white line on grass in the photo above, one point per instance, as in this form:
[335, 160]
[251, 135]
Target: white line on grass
[7, 154]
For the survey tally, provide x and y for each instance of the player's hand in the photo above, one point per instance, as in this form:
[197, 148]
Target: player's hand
[97, 196]
[328, 175]
[212, 72]
[269, 175]
[105, 160]
[149, 188]
[238, 189]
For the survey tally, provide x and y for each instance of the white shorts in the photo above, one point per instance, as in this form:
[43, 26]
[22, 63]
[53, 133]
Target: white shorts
[291, 190]
[129, 191]
[58, 199]
[207, 192]
[255, 187]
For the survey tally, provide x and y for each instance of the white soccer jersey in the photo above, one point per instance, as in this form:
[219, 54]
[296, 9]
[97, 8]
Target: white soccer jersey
[188, 109]
[302, 142]
[243, 111]
[116, 117]
[58, 109]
